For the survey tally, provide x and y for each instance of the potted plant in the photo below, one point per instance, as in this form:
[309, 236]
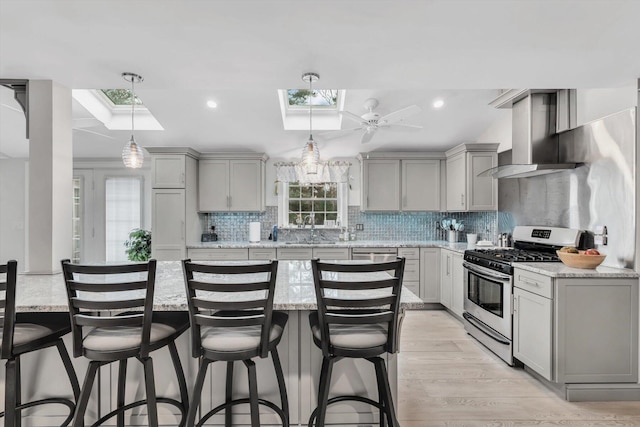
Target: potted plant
[139, 245]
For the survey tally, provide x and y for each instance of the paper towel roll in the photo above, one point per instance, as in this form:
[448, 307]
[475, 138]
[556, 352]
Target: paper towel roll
[254, 232]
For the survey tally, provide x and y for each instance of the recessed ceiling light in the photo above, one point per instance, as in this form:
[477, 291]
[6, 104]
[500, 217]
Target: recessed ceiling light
[438, 103]
[212, 104]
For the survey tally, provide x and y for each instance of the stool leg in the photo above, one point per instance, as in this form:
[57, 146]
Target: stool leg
[182, 383]
[284, 400]
[149, 382]
[323, 394]
[81, 408]
[228, 396]
[381, 397]
[197, 392]
[381, 373]
[68, 366]
[122, 380]
[11, 414]
[253, 393]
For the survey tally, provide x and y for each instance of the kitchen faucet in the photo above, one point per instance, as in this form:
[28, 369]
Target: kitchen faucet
[312, 221]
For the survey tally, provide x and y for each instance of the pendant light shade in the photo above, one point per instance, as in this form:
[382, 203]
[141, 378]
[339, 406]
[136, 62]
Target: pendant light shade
[310, 152]
[132, 154]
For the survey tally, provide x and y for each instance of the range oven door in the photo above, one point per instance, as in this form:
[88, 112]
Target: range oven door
[487, 298]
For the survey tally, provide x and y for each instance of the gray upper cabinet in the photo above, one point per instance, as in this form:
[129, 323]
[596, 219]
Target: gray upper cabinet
[466, 191]
[395, 182]
[231, 184]
[420, 185]
[168, 171]
[381, 185]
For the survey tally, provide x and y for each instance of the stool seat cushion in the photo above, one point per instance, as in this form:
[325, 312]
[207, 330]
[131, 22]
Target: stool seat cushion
[24, 333]
[354, 336]
[124, 337]
[239, 338]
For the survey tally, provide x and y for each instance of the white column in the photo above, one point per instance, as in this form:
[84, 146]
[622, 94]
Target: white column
[50, 188]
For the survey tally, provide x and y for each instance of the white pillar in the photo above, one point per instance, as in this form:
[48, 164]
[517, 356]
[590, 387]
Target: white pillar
[50, 188]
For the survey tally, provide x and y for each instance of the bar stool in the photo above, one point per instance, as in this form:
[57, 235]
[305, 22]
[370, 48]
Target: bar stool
[23, 333]
[357, 317]
[130, 329]
[232, 319]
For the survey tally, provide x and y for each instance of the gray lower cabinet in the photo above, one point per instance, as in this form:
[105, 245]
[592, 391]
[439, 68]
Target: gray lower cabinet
[295, 253]
[430, 274]
[411, 279]
[576, 330]
[331, 253]
[262, 253]
[218, 254]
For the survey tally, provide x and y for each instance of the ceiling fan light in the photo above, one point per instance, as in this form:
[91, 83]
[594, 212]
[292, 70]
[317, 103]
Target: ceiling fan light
[132, 154]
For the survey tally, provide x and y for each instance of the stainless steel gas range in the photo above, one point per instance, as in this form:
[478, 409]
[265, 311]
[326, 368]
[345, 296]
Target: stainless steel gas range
[488, 282]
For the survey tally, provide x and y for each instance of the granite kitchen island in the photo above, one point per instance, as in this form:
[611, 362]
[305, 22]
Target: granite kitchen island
[300, 358]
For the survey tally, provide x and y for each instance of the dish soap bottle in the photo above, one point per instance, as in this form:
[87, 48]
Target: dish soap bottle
[275, 233]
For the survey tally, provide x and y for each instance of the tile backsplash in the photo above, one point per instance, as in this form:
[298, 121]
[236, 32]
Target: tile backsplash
[408, 226]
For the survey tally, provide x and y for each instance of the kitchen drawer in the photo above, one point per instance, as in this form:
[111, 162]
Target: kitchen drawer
[533, 282]
[412, 270]
[295, 253]
[266, 253]
[217, 254]
[412, 286]
[409, 253]
[331, 253]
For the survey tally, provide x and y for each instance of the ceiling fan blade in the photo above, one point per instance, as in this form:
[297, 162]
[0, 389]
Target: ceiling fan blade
[366, 137]
[12, 108]
[337, 133]
[400, 114]
[352, 116]
[402, 125]
[93, 132]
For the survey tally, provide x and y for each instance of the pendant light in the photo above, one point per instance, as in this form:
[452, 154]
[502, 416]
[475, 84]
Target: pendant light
[310, 153]
[132, 154]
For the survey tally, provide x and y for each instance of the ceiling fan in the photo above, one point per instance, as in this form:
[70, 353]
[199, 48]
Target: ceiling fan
[371, 122]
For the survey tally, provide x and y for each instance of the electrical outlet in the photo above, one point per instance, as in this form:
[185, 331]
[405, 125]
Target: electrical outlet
[359, 227]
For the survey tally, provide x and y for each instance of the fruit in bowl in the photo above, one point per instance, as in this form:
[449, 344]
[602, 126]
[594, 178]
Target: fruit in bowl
[569, 250]
[591, 258]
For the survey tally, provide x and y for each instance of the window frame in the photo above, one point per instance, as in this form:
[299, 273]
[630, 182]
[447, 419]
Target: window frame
[342, 201]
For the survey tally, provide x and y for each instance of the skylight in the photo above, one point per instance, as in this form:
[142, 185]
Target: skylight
[120, 96]
[294, 106]
[323, 98]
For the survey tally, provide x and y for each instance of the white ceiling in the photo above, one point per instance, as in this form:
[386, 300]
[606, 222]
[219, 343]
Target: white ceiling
[240, 52]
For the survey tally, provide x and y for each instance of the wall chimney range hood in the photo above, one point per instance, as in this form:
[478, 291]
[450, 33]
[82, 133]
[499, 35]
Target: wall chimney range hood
[535, 149]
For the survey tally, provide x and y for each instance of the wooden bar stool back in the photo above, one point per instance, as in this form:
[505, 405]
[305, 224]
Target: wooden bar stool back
[357, 317]
[23, 333]
[232, 319]
[112, 319]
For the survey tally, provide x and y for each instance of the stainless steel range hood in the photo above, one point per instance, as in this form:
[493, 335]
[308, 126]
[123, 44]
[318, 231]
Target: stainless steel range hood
[535, 149]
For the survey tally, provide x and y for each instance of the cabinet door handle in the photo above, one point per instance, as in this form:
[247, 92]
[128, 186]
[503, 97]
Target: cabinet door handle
[404, 201]
[448, 263]
[182, 177]
[182, 230]
[230, 202]
[227, 201]
[461, 199]
[528, 282]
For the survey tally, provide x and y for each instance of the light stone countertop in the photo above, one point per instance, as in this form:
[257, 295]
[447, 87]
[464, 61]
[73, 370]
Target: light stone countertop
[458, 246]
[558, 269]
[294, 289]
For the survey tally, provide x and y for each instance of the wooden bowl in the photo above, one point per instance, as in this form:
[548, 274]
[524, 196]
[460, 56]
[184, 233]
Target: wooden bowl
[580, 260]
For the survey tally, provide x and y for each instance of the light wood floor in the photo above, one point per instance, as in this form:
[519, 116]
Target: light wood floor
[448, 379]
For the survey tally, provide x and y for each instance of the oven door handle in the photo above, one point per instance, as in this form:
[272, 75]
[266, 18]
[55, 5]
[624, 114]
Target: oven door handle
[485, 273]
[494, 335]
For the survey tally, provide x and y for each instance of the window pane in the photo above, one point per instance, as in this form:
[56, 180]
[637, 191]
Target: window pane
[294, 205]
[123, 213]
[319, 219]
[318, 205]
[294, 191]
[333, 216]
[332, 193]
[305, 192]
[332, 206]
[305, 206]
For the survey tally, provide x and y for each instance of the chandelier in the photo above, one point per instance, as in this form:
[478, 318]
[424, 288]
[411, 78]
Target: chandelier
[310, 152]
[132, 154]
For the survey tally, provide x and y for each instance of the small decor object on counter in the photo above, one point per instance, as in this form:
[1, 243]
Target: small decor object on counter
[275, 233]
[589, 259]
[452, 236]
[452, 226]
[210, 237]
[472, 239]
[138, 245]
[254, 232]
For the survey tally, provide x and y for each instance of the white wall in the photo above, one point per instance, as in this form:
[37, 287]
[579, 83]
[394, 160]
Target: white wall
[593, 104]
[13, 190]
[499, 132]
